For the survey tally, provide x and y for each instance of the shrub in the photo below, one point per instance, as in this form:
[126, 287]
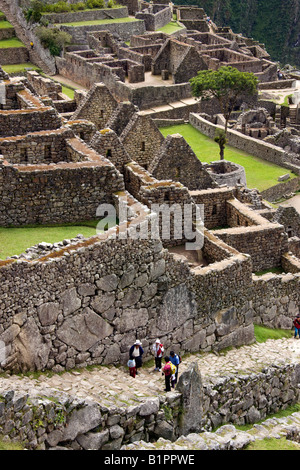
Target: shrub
[53, 39]
[34, 12]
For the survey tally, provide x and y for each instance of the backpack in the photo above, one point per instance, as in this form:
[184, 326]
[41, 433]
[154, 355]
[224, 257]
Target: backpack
[168, 369]
[173, 368]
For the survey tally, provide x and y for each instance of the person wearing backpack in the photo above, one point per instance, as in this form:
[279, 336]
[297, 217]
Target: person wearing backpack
[175, 360]
[167, 372]
[296, 323]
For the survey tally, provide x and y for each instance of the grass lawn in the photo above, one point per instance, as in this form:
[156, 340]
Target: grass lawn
[95, 22]
[170, 27]
[14, 241]
[16, 68]
[12, 42]
[68, 91]
[263, 333]
[260, 174]
[5, 24]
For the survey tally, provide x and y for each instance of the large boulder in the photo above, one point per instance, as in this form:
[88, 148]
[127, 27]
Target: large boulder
[190, 386]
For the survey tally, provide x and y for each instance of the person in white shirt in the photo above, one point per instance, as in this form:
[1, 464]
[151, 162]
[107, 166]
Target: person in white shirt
[158, 353]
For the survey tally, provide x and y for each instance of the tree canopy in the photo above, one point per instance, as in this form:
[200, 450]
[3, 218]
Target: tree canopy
[227, 85]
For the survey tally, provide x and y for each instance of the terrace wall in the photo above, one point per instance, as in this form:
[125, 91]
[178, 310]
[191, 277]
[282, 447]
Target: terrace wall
[14, 55]
[90, 15]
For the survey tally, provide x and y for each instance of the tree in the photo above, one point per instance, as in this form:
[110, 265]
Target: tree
[227, 85]
[220, 138]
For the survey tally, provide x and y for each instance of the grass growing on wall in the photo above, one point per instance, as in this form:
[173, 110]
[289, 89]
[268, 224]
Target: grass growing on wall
[260, 174]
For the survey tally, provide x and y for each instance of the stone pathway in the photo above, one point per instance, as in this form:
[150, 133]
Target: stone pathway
[112, 386]
[227, 437]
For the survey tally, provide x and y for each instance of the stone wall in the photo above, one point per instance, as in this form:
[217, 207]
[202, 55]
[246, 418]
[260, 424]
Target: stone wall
[86, 15]
[22, 122]
[264, 243]
[253, 146]
[66, 422]
[246, 399]
[142, 139]
[177, 162]
[155, 17]
[59, 193]
[276, 299]
[124, 30]
[14, 55]
[85, 304]
[281, 189]
[214, 203]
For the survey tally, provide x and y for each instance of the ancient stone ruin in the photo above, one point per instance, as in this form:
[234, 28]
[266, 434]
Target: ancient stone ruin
[83, 302]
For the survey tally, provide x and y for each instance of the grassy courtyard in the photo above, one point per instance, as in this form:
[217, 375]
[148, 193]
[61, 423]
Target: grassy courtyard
[260, 174]
[170, 27]
[14, 241]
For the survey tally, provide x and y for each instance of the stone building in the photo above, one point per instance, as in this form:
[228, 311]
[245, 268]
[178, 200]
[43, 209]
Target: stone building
[177, 161]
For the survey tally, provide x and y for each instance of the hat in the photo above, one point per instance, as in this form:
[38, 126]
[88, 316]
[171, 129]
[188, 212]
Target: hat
[138, 342]
[157, 341]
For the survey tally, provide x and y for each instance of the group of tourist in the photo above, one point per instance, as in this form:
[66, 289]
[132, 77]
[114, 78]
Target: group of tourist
[169, 369]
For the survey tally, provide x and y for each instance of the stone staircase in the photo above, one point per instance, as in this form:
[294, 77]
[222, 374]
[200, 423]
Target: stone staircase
[25, 32]
[293, 117]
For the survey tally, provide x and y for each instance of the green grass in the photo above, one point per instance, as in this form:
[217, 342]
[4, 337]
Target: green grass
[273, 444]
[10, 445]
[260, 174]
[17, 68]
[12, 42]
[14, 241]
[262, 333]
[170, 27]
[272, 270]
[5, 24]
[68, 91]
[95, 22]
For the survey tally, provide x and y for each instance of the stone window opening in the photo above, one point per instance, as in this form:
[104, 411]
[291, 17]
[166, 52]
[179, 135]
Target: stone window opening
[290, 231]
[214, 209]
[101, 113]
[48, 154]
[24, 154]
[143, 146]
[108, 153]
[177, 172]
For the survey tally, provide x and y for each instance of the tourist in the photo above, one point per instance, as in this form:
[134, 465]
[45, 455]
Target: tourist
[174, 358]
[132, 367]
[136, 352]
[167, 372]
[31, 45]
[158, 352]
[297, 326]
